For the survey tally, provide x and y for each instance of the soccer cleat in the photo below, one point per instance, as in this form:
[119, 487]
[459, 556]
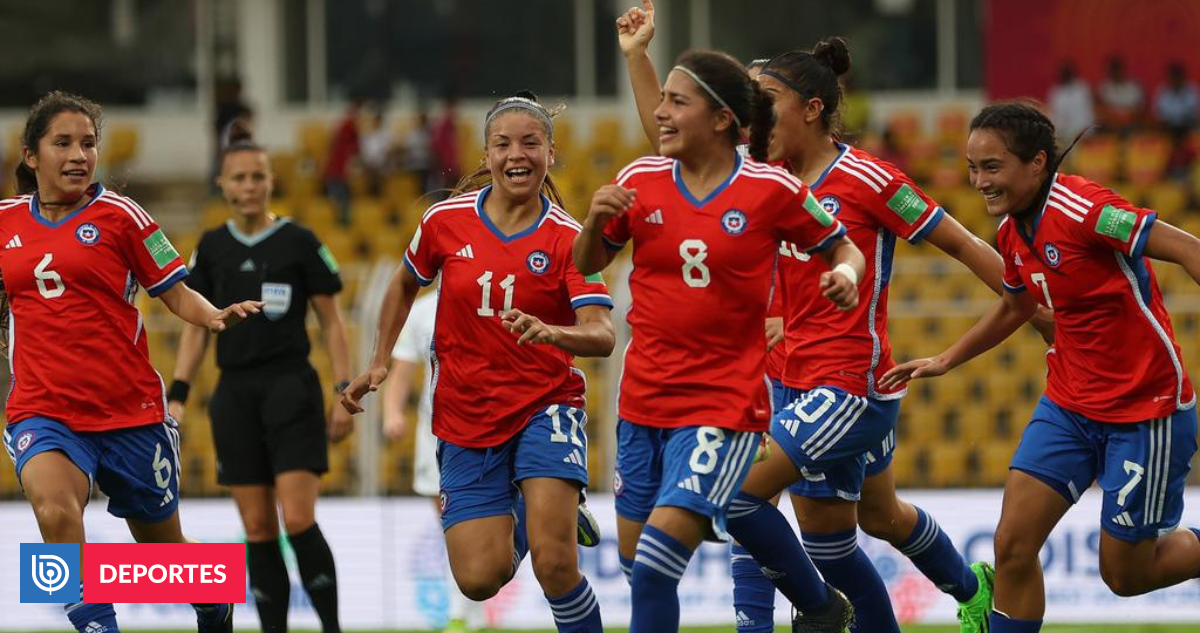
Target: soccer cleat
[589, 528]
[973, 614]
[220, 624]
[456, 625]
[837, 616]
[764, 449]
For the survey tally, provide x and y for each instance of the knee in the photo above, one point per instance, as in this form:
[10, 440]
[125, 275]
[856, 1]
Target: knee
[479, 589]
[297, 525]
[58, 515]
[556, 568]
[260, 529]
[879, 521]
[1123, 582]
[1012, 547]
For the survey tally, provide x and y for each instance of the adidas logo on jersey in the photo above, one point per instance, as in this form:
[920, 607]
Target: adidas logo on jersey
[1123, 519]
[691, 483]
[741, 620]
[166, 499]
[575, 457]
[791, 424]
[466, 252]
[1017, 260]
[655, 218]
[15, 242]
[247, 266]
[95, 627]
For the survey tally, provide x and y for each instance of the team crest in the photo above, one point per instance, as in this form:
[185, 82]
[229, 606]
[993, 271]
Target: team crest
[443, 500]
[538, 262]
[23, 441]
[1053, 257]
[831, 204]
[734, 222]
[87, 234]
[618, 483]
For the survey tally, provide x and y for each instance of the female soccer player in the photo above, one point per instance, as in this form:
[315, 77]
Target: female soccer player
[507, 401]
[86, 406]
[1118, 407]
[705, 225]
[268, 414]
[414, 350]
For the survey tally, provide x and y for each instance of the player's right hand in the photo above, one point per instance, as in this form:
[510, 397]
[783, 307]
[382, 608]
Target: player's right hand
[232, 315]
[359, 387]
[913, 369]
[635, 28]
[176, 409]
[608, 202]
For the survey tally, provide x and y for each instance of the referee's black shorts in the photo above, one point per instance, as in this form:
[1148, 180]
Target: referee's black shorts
[266, 422]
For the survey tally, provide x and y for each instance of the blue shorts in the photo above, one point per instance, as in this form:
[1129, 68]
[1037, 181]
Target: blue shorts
[137, 468]
[778, 392]
[831, 436]
[1142, 467]
[481, 482]
[698, 468]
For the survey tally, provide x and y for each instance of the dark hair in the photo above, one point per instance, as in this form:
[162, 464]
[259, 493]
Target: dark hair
[237, 137]
[728, 78]
[482, 176]
[1023, 127]
[38, 123]
[814, 74]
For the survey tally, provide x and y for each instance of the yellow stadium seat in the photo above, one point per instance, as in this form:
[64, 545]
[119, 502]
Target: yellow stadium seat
[948, 464]
[1169, 199]
[1146, 156]
[1096, 158]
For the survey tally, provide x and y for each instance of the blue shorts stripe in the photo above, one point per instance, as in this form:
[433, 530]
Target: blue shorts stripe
[734, 463]
[842, 427]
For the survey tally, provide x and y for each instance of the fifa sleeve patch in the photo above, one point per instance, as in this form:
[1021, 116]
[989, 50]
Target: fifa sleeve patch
[1116, 223]
[328, 258]
[907, 204]
[594, 278]
[818, 212]
[160, 249]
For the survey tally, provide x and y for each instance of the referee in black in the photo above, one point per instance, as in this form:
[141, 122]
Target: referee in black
[268, 414]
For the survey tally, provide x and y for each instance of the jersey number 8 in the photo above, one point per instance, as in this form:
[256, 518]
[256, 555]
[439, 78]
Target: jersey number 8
[695, 273]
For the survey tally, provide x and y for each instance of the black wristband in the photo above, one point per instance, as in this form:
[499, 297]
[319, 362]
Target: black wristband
[178, 391]
[341, 386]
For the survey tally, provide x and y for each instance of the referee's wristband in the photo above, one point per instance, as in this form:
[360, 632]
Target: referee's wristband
[341, 386]
[178, 391]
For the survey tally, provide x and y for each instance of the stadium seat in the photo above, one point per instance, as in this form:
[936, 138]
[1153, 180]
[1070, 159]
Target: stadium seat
[1096, 158]
[1146, 156]
[948, 464]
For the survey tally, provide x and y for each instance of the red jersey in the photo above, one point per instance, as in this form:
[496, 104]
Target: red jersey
[701, 280]
[777, 355]
[1115, 358]
[77, 347]
[876, 202]
[485, 386]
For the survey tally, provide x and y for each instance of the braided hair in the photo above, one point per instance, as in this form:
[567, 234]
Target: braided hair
[815, 74]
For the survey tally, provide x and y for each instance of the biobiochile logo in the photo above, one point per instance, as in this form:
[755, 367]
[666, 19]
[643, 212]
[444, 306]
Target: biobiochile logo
[50, 572]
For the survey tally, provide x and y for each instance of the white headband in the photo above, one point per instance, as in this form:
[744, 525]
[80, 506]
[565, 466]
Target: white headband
[712, 93]
[521, 103]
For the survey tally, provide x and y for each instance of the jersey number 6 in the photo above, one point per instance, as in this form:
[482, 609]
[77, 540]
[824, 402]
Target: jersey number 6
[49, 283]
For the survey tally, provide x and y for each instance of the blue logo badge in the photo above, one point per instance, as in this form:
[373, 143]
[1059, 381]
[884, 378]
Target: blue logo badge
[1053, 257]
[538, 262]
[87, 234]
[50, 572]
[831, 204]
[23, 441]
[734, 222]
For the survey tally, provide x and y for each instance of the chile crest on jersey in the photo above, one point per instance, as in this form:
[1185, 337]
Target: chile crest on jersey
[538, 262]
[1053, 256]
[734, 222]
[87, 234]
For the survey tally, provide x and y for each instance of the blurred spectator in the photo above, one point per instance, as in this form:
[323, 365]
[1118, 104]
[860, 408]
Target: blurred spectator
[418, 153]
[1070, 102]
[444, 141]
[378, 151]
[1175, 107]
[1120, 99]
[228, 108]
[890, 150]
[343, 148]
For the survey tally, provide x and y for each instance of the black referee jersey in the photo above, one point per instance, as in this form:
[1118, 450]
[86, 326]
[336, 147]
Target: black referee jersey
[283, 266]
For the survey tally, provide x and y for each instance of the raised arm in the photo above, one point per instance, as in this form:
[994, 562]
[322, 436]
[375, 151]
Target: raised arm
[635, 30]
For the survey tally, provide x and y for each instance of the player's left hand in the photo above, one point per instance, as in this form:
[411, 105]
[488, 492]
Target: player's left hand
[368, 381]
[233, 315]
[913, 369]
[339, 424]
[774, 332]
[839, 289]
[529, 328]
